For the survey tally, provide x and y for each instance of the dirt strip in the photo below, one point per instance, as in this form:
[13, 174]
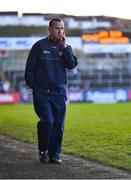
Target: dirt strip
[19, 160]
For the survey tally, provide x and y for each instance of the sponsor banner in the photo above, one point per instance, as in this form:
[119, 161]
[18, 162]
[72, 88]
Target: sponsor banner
[102, 96]
[106, 96]
[17, 43]
[112, 96]
[26, 96]
[121, 95]
[106, 48]
[75, 96]
[22, 43]
[129, 95]
[10, 98]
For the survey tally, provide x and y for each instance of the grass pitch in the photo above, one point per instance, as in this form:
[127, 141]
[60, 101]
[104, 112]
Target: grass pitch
[100, 132]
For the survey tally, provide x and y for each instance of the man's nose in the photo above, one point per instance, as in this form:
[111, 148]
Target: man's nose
[60, 30]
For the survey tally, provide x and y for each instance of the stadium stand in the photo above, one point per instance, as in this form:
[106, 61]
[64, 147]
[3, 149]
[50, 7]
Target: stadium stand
[101, 66]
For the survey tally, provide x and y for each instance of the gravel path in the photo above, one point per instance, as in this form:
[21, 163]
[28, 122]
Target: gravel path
[19, 160]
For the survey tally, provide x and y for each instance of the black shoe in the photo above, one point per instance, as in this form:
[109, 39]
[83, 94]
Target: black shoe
[55, 161]
[43, 156]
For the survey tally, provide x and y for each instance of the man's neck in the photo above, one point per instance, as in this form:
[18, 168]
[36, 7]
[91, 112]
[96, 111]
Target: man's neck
[52, 39]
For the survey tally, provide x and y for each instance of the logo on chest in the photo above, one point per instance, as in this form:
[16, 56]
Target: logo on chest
[46, 52]
[60, 53]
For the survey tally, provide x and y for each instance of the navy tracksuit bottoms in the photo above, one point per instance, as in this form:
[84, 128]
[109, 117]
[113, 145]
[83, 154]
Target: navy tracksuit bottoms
[51, 112]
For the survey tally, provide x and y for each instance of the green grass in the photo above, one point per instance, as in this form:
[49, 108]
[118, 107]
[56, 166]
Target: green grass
[100, 132]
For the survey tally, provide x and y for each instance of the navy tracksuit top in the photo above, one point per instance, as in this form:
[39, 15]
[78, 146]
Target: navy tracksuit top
[46, 66]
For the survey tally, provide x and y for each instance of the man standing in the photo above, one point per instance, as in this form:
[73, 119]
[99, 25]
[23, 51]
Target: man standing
[45, 73]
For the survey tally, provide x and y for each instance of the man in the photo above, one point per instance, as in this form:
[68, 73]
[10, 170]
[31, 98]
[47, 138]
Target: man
[45, 73]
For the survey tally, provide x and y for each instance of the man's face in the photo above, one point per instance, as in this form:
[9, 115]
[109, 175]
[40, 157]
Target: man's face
[57, 30]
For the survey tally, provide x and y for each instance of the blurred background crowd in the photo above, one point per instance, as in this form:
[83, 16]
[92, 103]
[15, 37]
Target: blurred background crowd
[102, 45]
